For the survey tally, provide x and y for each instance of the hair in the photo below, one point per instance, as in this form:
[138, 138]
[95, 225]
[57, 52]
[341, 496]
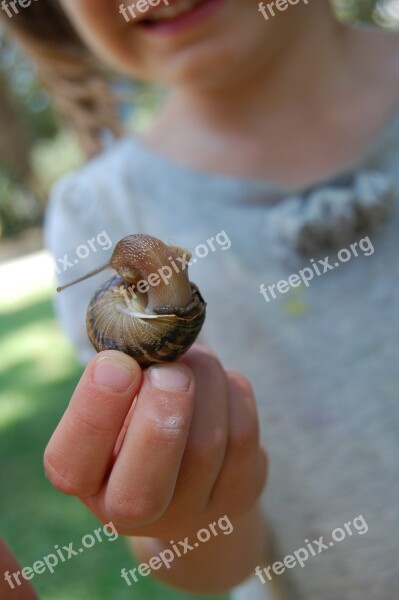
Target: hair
[78, 85]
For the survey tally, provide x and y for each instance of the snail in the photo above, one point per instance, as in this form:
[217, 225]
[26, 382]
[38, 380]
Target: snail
[149, 310]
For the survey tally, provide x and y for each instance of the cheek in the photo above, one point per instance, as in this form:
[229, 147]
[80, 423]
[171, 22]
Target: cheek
[88, 13]
[101, 26]
[205, 57]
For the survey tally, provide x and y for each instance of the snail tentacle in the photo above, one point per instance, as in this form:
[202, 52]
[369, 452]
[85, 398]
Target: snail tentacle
[154, 326]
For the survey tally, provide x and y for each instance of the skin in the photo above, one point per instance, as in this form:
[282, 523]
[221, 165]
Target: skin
[168, 463]
[8, 563]
[246, 97]
[250, 108]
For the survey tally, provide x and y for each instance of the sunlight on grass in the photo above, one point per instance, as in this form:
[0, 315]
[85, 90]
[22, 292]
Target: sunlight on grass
[13, 407]
[25, 280]
[34, 343]
[38, 374]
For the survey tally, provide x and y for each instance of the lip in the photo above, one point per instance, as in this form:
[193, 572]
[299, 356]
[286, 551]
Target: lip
[151, 10]
[193, 17]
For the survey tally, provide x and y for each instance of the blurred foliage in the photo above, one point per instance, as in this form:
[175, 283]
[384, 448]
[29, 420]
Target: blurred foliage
[35, 149]
[381, 12]
[31, 136]
[26, 117]
[355, 10]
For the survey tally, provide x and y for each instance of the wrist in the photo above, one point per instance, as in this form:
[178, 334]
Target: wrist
[212, 559]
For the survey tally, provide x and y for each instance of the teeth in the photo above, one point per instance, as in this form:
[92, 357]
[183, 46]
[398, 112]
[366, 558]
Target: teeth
[170, 12]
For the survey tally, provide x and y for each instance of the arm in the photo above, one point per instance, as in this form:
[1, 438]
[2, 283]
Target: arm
[9, 587]
[217, 565]
[164, 453]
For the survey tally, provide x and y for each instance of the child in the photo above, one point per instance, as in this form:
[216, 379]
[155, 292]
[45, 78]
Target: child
[280, 135]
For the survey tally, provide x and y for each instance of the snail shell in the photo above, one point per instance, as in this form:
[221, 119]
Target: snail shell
[112, 325]
[152, 317]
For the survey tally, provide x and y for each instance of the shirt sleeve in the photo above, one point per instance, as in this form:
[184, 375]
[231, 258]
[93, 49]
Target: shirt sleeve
[76, 234]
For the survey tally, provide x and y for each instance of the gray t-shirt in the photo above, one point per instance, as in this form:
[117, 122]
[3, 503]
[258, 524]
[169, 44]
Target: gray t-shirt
[322, 356]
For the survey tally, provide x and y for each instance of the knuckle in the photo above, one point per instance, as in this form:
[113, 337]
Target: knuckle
[134, 510]
[209, 361]
[213, 365]
[60, 477]
[92, 423]
[203, 452]
[166, 429]
[242, 486]
[166, 418]
[244, 438]
[200, 457]
[243, 383]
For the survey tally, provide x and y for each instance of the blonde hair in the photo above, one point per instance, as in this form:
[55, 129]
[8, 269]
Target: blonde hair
[77, 84]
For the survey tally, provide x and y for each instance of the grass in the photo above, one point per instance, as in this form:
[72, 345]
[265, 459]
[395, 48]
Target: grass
[37, 376]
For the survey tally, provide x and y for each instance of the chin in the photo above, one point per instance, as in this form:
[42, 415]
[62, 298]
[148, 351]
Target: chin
[209, 62]
[211, 52]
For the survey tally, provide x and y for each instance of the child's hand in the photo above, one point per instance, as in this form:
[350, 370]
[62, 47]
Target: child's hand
[190, 450]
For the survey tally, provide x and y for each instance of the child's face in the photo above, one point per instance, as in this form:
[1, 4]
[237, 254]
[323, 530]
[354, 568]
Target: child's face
[217, 38]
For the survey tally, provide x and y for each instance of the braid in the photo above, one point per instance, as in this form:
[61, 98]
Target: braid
[77, 84]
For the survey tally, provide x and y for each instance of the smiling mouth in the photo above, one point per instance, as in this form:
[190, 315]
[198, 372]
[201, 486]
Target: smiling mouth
[170, 12]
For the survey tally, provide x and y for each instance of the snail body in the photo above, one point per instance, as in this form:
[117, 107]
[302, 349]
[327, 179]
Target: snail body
[148, 310]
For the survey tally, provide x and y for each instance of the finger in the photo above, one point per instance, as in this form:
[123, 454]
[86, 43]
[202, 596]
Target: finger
[207, 439]
[144, 474]
[79, 451]
[243, 474]
[12, 585]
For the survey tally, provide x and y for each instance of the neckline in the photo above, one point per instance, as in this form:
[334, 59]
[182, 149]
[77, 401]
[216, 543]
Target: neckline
[279, 189]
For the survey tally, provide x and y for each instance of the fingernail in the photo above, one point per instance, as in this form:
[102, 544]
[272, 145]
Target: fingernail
[114, 373]
[173, 379]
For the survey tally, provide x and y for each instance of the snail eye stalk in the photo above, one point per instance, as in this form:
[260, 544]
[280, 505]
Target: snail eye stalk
[148, 310]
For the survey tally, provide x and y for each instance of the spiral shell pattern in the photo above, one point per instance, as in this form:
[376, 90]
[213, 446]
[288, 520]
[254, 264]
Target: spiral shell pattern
[112, 324]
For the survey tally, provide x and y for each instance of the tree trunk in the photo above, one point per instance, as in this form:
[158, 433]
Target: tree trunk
[15, 140]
